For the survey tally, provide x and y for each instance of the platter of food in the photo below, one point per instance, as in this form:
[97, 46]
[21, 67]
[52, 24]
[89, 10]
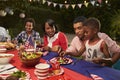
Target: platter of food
[6, 46]
[61, 60]
[17, 75]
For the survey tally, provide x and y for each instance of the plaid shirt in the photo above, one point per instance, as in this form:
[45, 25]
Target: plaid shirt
[24, 37]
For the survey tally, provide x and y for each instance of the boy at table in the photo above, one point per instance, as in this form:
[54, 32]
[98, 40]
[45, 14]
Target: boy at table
[77, 41]
[95, 48]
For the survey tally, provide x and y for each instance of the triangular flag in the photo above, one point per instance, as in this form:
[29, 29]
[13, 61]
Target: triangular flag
[86, 4]
[49, 3]
[54, 4]
[73, 6]
[67, 6]
[79, 5]
[44, 1]
[92, 2]
[100, 1]
[61, 5]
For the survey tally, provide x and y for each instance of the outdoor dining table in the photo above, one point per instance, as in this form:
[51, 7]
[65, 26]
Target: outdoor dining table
[81, 70]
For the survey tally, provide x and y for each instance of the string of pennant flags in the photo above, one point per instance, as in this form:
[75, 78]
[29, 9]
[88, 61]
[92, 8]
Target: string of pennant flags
[67, 5]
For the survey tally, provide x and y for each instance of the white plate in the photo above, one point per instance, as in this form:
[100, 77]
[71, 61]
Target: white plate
[55, 74]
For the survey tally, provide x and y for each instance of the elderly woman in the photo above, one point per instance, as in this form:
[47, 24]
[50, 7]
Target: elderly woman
[54, 40]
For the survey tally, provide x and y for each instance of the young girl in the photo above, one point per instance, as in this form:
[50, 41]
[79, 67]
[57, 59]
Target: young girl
[96, 48]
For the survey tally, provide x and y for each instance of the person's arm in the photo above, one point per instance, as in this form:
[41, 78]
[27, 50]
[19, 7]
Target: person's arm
[105, 50]
[115, 57]
[82, 49]
[107, 61]
[74, 47]
[113, 47]
[63, 41]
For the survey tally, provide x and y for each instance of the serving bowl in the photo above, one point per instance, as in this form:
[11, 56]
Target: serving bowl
[30, 59]
[42, 70]
[42, 66]
[5, 58]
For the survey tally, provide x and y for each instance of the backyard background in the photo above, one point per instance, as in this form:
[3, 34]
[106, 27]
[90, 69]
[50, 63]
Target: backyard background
[15, 12]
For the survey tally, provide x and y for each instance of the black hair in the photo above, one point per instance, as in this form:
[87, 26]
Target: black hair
[92, 23]
[30, 20]
[79, 19]
[52, 24]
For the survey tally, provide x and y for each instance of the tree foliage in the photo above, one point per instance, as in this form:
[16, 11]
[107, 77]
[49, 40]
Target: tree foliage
[108, 14]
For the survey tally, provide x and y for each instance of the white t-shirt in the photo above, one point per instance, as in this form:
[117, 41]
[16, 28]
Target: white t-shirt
[93, 51]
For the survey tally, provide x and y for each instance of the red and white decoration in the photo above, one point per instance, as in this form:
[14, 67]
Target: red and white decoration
[66, 5]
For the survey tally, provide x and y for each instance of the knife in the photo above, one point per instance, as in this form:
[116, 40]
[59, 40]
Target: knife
[8, 69]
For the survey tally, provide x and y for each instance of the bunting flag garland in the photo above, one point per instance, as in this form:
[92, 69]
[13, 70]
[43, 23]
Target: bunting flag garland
[100, 1]
[44, 1]
[85, 3]
[67, 6]
[93, 3]
[73, 6]
[49, 3]
[61, 5]
[79, 5]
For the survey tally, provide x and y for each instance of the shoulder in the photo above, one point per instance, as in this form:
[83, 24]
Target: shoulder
[61, 34]
[35, 32]
[76, 40]
[22, 32]
[102, 35]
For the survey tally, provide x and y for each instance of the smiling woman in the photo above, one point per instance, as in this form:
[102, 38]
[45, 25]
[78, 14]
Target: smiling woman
[54, 40]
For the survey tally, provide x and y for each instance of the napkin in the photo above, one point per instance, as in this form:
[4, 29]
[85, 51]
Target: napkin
[7, 66]
[96, 77]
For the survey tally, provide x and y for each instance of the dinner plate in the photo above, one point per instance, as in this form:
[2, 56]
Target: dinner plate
[61, 60]
[4, 76]
[56, 72]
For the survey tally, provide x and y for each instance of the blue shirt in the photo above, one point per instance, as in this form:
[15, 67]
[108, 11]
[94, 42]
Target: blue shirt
[23, 36]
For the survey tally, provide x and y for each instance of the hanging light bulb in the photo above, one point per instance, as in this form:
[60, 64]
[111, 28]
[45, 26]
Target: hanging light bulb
[106, 1]
[65, 2]
[22, 15]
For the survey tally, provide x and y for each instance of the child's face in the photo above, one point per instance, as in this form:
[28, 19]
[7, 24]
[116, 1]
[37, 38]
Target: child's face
[89, 32]
[29, 26]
